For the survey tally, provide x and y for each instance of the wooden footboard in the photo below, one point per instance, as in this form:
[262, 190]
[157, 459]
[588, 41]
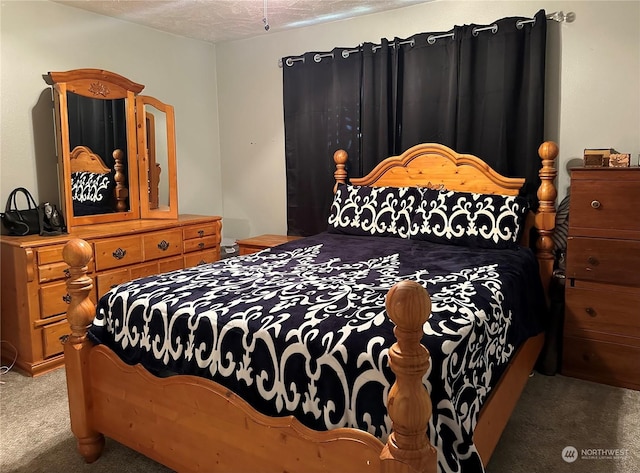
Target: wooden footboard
[192, 424]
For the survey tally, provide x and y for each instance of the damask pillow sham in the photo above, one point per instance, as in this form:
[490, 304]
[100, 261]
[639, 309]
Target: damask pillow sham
[469, 219]
[377, 211]
[90, 190]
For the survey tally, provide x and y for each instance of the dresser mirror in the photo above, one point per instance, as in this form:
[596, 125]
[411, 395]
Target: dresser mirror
[157, 158]
[106, 134]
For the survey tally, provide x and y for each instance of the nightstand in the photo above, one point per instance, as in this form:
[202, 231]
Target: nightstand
[258, 243]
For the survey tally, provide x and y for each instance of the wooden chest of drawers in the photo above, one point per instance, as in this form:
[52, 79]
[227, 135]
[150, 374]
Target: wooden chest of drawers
[602, 307]
[34, 293]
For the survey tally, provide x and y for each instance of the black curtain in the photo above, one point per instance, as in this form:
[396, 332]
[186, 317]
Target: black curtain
[378, 119]
[321, 114]
[429, 90]
[501, 97]
[478, 89]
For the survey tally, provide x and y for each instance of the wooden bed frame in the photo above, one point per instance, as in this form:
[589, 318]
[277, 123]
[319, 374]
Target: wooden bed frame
[192, 424]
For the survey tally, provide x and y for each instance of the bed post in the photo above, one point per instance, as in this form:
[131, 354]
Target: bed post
[340, 158]
[77, 254]
[545, 220]
[408, 448]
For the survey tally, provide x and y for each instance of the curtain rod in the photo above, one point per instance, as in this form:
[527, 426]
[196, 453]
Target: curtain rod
[558, 16]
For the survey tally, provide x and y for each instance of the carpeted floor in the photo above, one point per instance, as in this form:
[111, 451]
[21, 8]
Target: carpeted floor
[555, 412]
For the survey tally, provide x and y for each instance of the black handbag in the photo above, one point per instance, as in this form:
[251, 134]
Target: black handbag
[51, 220]
[21, 222]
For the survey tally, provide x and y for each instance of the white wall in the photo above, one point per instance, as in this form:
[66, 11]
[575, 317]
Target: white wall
[41, 36]
[593, 92]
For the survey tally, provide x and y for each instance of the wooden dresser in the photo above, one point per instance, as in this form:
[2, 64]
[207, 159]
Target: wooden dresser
[602, 308]
[34, 294]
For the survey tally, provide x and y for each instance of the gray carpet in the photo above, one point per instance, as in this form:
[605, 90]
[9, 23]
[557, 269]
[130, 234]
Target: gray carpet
[555, 412]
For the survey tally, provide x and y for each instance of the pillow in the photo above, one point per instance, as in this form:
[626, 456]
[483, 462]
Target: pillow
[469, 219]
[379, 211]
[91, 190]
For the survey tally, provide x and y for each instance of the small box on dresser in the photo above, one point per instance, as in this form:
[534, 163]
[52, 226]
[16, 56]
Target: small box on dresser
[601, 339]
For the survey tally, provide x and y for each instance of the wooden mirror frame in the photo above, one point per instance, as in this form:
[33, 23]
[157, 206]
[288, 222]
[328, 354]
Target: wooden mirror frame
[133, 202]
[148, 170]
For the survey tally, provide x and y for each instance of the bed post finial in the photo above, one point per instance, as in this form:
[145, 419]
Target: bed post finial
[77, 254]
[408, 448]
[546, 216]
[340, 157]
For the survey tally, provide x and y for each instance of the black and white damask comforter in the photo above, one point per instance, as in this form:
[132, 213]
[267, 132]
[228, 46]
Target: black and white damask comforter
[301, 329]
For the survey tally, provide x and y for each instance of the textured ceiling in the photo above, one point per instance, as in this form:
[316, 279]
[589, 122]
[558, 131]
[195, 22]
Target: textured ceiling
[224, 20]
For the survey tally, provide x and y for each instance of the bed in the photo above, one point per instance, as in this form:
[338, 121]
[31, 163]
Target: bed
[425, 410]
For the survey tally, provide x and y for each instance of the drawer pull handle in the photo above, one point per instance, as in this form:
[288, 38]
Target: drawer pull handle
[595, 204]
[201, 262]
[67, 298]
[592, 260]
[201, 245]
[119, 253]
[591, 312]
[163, 245]
[67, 273]
[201, 233]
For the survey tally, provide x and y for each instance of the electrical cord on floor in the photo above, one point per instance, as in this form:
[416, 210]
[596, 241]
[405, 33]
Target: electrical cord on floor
[5, 369]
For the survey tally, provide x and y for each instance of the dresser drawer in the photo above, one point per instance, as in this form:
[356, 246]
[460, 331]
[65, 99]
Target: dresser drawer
[604, 260]
[110, 279]
[162, 244]
[201, 257]
[602, 362]
[51, 266]
[200, 244]
[50, 254]
[54, 299]
[170, 264]
[53, 271]
[117, 252]
[51, 344]
[603, 310]
[600, 201]
[200, 231]
[144, 270]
